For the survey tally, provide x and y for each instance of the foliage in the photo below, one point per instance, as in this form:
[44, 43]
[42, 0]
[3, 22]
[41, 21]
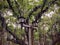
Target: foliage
[23, 8]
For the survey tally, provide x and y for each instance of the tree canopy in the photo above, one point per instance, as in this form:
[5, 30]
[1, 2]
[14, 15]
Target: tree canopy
[30, 22]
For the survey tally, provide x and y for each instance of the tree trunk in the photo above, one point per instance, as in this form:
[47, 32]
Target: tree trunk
[0, 37]
[26, 35]
[30, 37]
[39, 40]
[3, 37]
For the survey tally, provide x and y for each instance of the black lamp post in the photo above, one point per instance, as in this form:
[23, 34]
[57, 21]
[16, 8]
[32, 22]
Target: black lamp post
[21, 21]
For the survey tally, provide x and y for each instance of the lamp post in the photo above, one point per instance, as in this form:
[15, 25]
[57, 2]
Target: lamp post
[21, 21]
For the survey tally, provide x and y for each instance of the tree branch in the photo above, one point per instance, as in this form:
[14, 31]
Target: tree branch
[18, 7]
[40, 13]
[9, 3]
[35, 9]
[44, 2]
